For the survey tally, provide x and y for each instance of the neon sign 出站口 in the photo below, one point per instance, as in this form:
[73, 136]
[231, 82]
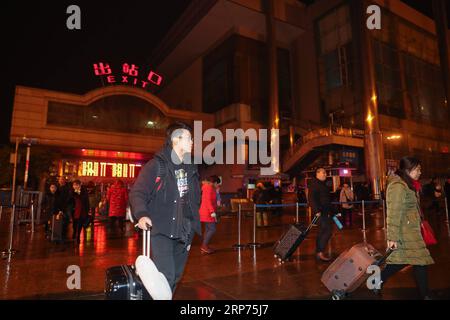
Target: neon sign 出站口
[107, 169]
[130, 75]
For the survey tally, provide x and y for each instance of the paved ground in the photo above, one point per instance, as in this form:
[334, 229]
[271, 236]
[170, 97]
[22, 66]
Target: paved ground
[38, 270]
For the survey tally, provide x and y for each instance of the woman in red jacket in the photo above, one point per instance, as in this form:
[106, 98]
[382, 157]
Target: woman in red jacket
[208, 212]
[117, 196]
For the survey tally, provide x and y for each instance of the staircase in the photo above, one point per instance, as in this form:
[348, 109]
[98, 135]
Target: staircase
[307, 148]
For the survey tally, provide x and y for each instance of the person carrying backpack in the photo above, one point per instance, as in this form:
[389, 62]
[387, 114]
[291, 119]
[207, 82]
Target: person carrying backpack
[166, 196]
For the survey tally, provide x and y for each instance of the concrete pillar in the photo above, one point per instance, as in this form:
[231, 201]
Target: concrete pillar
[274, 118]
[330, 157]
[291, 139]
[373, 140]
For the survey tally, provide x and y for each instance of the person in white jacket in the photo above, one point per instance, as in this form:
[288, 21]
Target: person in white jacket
[345, 197]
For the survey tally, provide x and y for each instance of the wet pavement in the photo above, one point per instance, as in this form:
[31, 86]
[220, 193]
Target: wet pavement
[39, 269]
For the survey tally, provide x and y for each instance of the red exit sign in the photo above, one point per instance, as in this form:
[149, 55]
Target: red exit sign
[130, 74]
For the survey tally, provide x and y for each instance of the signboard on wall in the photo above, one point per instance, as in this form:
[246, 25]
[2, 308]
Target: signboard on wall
[108, 169]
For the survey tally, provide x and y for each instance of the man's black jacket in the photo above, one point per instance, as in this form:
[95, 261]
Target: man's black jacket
[147, 199]
[64, 200]
[84, 197]
[319, 197]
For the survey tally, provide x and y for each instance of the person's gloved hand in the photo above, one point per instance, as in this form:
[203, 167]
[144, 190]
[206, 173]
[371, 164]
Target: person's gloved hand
[214, 215]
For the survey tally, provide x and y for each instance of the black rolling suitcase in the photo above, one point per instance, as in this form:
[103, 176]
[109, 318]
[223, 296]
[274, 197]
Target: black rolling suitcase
[291, 239]
[57, 224]
[122, 282]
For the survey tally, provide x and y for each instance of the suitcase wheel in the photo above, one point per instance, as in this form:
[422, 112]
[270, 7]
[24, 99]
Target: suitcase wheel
[337, 295]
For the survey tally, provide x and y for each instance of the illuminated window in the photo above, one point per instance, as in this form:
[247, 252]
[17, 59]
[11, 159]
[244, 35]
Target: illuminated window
[236, 72]
[388, 81]
[334, 39]
[425, 90]
[119, 113]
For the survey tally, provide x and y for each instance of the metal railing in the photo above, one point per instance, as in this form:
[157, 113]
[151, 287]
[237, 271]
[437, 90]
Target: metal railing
[297, 205]
[327, 132]
[26, 207]
[8, 252]
[29, 205]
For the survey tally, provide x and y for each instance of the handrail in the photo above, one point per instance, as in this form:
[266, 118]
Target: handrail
[306, 204]
[327, 132]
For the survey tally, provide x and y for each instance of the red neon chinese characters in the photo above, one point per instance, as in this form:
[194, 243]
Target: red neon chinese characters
[131, 71]
[154, 78]
[101, 69]
[130, 75]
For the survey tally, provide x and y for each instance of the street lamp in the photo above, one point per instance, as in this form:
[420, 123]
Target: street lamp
[28, 142]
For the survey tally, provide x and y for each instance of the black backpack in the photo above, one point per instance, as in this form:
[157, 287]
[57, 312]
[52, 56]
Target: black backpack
[159, 181]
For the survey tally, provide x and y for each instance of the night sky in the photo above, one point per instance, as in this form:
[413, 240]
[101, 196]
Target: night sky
[39, 51]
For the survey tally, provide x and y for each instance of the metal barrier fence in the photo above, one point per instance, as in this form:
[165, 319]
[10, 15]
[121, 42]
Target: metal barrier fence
[8, 252]
[297, 205]
[29, 205]
[26, 208]
[363, 204]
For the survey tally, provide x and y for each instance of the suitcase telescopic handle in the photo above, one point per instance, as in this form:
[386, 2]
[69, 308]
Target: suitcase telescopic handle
[385, 256]
[314, 220]
[145, 240]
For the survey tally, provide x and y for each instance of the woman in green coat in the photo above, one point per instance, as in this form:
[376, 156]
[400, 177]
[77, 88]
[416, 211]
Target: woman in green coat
[403, 225]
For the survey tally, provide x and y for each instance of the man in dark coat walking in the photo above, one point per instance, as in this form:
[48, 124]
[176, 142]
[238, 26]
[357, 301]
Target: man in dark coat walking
[166, 196]
[319, 198]
[64, 204]
[80, 205]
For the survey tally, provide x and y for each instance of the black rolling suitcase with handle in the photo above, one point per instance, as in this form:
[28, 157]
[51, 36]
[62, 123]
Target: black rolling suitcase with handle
[122, 282]
[291, 239]
[57, 224]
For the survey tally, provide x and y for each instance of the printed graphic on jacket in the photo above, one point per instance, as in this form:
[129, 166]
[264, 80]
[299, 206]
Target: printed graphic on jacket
[182, 184]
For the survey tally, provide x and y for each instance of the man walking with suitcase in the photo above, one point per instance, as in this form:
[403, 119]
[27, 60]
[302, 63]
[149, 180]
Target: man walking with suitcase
[64, 202]
[166, 196]
[319, 199]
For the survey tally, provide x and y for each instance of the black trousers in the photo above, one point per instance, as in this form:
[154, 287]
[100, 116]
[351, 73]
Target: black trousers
[347, 213]
[65, 223]
[170, 257]
[420, 275]
[78, 225]
[112, 222]
[324, 234]
[435, 206]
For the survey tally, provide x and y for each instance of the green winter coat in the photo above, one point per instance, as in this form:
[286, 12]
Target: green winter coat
[403, 225]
